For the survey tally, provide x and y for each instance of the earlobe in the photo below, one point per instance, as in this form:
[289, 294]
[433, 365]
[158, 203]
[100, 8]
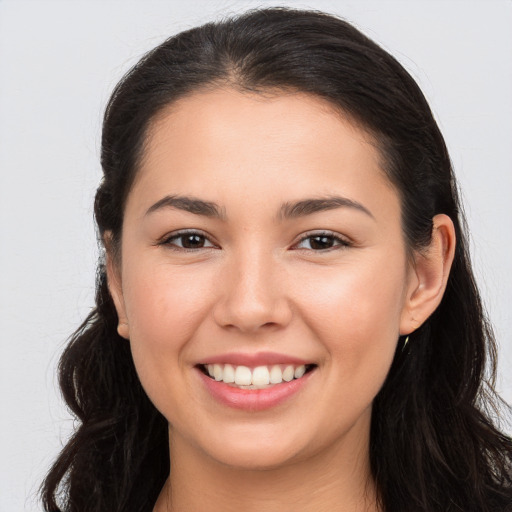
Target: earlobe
[115, 288]
[430, 275]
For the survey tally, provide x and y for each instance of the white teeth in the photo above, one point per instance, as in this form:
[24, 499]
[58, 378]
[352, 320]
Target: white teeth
[276, 375]
[260, 376]
[299, 371]
[288, 373]
[255, 378]
[229, 374]
[217, 372]
[243, 376]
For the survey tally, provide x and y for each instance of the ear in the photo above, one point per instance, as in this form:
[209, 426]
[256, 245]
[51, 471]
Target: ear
[429, 275]
[115, 286]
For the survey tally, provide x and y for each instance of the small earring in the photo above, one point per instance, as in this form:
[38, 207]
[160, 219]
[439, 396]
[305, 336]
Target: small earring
[405, 343]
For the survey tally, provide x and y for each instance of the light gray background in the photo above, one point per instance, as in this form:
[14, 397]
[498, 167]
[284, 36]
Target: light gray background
[58, 62]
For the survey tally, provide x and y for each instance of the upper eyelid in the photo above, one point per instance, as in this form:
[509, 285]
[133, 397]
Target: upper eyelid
[321, 232]
[343, 239]
[182, 232]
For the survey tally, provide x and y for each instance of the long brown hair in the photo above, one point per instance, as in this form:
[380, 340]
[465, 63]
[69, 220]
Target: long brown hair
[433, 445]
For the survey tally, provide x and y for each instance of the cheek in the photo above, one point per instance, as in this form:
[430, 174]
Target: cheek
[163, 301]
[358, 299]
[164, 307]
[355, 313]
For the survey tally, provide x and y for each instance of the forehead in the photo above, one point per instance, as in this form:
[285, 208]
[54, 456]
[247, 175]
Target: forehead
[246, 146]
[226, 114]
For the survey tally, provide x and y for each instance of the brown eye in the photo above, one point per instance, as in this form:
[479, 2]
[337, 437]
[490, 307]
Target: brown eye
[322, 241]
[192, 241]
[187, 241]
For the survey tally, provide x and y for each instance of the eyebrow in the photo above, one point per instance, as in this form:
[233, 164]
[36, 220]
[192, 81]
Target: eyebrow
[289, 210]
[191, 205]
[313, 205]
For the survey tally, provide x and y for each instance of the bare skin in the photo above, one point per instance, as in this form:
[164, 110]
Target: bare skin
[332, 286]
[329, 481]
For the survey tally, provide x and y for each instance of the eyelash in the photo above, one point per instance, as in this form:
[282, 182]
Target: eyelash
[342, 242]
[167, 240]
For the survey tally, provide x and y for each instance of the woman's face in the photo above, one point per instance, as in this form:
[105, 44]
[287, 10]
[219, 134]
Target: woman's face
[262, 233]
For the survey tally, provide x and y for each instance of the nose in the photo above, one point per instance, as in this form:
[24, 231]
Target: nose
[252, 294]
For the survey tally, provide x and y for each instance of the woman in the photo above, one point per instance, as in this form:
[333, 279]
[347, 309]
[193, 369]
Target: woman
[286, 315]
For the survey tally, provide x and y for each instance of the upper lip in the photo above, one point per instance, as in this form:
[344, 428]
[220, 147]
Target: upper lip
[253, 360]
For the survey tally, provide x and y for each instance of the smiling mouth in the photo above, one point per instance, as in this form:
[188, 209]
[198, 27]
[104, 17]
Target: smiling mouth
[259, 377]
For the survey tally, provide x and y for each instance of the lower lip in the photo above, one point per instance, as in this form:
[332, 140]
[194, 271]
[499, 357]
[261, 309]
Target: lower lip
[253, 399]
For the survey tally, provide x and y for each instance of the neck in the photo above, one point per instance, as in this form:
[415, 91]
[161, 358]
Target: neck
[337, 479]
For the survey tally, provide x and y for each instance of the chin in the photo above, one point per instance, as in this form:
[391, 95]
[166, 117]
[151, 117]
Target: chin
[254, 459]
[250, 452]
